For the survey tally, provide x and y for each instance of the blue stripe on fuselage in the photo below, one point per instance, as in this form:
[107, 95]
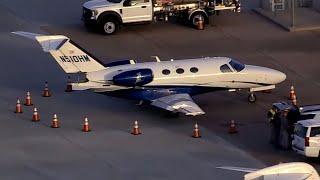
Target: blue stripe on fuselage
[154, 92]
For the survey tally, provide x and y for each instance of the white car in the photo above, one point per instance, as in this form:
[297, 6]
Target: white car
[306, 138]
[309, 112]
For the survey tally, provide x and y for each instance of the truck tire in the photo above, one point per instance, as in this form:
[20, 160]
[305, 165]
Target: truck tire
[194, 19]
[109, 26]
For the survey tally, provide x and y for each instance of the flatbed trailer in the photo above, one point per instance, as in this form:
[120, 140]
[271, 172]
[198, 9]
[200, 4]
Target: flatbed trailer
[111, 14]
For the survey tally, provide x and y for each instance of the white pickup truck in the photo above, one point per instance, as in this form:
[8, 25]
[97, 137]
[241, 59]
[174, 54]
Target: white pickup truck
[109, 15]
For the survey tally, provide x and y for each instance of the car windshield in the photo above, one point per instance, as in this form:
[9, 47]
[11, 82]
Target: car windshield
[115, 1]
[306, 116]
[236, 65]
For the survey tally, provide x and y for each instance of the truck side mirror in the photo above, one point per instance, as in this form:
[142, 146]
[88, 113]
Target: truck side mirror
[127, 3]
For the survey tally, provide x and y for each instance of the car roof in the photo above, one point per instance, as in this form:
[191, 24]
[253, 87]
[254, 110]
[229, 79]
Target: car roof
[310, 123]
[310, 109]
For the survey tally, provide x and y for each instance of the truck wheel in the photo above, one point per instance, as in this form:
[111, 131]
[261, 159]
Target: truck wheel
[195, 18]
[109, 26]
[252, 98]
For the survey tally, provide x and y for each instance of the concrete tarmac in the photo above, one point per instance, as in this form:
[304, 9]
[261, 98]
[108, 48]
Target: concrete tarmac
[165, 150]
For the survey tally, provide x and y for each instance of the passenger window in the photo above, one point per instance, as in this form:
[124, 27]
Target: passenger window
[166, 71]
[225, 68]
[194, 70]
[315, 131]
[135, 2]
[180, 71]
[300, 130]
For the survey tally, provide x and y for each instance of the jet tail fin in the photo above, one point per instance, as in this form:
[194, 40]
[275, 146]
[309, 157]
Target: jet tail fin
[71, 57]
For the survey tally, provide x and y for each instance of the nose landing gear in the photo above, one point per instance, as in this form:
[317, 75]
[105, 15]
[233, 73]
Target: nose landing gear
[252, 98]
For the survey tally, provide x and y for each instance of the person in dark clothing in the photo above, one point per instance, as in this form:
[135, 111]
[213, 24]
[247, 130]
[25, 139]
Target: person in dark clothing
[293, 117]
[275, 124]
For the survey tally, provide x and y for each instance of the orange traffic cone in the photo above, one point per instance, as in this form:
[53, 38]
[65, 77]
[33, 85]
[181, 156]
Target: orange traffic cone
[86, 127]
[55, 121]
[46, 92]
[18, 107]
[35, 116]
[232, 128]
[292, 93]
[28, 99]
[69, 86]
[200, 23]
[196, 131]
[294, 100]
[136, 130]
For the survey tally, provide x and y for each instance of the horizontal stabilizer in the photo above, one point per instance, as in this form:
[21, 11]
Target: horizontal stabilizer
[241, 169]
[69, 55]
[27, 34]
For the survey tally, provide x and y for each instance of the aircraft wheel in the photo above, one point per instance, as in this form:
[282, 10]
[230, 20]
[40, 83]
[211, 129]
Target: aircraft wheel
[252, 98]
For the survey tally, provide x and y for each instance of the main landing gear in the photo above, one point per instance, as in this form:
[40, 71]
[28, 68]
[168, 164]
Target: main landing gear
[252, 98]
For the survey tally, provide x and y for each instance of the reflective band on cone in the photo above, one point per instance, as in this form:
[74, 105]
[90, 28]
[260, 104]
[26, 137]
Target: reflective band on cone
[86, 127]
[200, 23]
[35, 116]
[196, 131]
[69, 86]
[28, 99]
[292, 93]
[232, 128]
[18, 107]
[136, 130]
[55, 121]
[294, 100]
[46, 92]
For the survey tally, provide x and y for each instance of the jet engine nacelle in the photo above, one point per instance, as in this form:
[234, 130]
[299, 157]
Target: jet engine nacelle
[132, 78]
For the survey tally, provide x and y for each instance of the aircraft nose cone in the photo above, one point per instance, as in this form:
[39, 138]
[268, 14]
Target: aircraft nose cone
[277, 76]
[281, 76]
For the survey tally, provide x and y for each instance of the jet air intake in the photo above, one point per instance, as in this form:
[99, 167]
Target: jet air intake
[132, 78]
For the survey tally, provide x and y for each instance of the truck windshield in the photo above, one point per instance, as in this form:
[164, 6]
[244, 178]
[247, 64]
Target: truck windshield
[236, 65]
[115, 1]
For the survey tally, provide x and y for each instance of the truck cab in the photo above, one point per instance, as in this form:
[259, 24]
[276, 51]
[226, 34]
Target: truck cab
[108, 15]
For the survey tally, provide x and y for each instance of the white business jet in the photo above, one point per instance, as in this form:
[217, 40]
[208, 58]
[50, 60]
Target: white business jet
[164, 84]
[282, 171]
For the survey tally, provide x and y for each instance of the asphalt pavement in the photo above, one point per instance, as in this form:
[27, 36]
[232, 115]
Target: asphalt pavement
[165, 150]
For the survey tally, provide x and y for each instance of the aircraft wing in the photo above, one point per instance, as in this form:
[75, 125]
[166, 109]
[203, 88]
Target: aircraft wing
[240, 169]
[178, 102]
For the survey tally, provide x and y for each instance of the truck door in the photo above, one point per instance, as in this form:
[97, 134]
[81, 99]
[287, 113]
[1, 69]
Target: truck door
[136, 11]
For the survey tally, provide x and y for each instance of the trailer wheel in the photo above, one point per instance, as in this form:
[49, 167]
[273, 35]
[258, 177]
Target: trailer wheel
[195, 18]
[109, 26]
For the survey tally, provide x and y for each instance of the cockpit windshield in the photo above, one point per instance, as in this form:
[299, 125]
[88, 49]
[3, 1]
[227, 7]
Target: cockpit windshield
[236, 65]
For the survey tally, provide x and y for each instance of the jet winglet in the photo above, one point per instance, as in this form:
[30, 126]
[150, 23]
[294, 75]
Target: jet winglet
[27, 34]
